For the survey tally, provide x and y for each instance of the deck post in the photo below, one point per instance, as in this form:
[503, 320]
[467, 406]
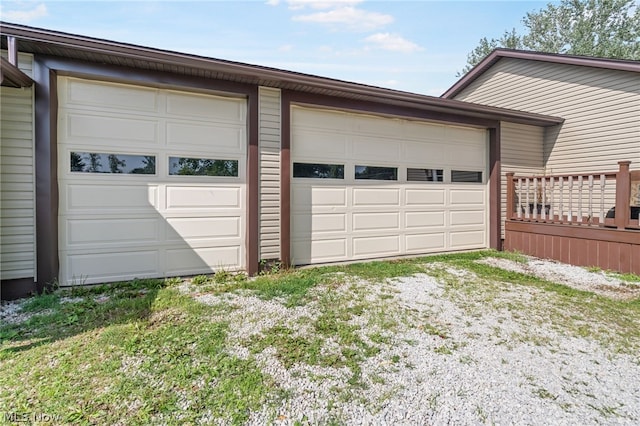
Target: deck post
[623, 194]
[511, 191]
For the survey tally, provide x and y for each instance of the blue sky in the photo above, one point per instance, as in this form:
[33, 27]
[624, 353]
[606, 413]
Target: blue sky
[416, 46]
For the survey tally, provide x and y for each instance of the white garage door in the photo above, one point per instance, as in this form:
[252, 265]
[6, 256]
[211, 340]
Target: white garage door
[368, 187]
[152, 182]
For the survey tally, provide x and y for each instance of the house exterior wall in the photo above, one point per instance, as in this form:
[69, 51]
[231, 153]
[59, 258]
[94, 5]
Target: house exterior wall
[17, 187]
[521, 151]
[601, 108]
[269, 157]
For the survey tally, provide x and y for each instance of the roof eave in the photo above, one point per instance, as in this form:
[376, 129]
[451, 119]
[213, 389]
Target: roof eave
[12, 76]
[272, 76]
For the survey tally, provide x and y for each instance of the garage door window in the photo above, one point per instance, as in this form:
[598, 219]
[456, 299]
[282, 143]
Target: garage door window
[466, 176]
[376, 173]
[425, 175]
[99, 162]
[318, 171]
[183, 166]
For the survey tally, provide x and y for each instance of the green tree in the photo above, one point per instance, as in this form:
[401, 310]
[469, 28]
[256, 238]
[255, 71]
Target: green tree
[115, 164]
[77, 164]
[148, 168]
[94, 163]
[206, 167]
[599, 28]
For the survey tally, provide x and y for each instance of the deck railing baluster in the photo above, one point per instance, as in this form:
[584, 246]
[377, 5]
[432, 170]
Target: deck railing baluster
[603, 184]
[570, 191]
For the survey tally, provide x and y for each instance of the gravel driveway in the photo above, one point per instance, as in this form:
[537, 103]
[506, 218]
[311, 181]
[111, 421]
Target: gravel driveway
[456, 354]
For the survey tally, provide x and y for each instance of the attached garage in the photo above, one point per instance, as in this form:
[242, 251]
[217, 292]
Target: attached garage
[131, 162]
[151, 181]
[366, 186]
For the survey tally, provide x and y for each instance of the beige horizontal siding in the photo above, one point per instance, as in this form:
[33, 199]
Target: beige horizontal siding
[521, 151]
[17, 191]
[601, 109]
[25, 62]
[269, 148]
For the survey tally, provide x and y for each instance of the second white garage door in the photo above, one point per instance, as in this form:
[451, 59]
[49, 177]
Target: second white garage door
[370, 187]
[152, 182]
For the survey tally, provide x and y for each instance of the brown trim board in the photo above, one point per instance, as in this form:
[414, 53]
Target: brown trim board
[46, 118]
[46, 70]
[495, 193]
[253, 183]
[17, 288]
[321, 101]
[285, 177]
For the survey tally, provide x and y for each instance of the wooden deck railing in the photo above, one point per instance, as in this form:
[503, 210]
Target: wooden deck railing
[591, 199]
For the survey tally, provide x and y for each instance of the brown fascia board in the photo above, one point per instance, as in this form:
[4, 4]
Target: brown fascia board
[497, 54]
[275, 77]
[12, 76]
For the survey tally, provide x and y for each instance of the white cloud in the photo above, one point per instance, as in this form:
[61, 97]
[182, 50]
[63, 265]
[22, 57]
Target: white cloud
[273, 2]
[350, 17]
[285, 48]
[24, 16]
[392, 42]
[320, 4]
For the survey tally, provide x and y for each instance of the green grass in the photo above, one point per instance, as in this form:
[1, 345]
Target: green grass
[570, 311]
[141, 352]
[142, 357]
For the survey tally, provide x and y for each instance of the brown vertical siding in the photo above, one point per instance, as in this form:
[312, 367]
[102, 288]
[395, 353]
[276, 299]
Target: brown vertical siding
[609, 249]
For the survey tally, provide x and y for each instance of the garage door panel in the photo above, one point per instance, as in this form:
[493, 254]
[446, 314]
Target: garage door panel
[116, 130]
[211, 108]
[101, 267]
[430, 132]
[322, 120]
[424, 219]
[376, 197]
[466, 156]
[376, 246]
[432, 153]
[306, 197]
[387, 218]
[468, 136]
[375, 149]
[467, 217]
[202, 197]
[376, 221]
[189, 228]
[101, 197]
[119, 226]
[326, 144]
[106, 231]
[425, 197]
[375, 126]
[467, 197]
[425, 242]
[108, 96]
[307, 224]
[326, 250]
[224, 138]
[190, 260]
[466, 239]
